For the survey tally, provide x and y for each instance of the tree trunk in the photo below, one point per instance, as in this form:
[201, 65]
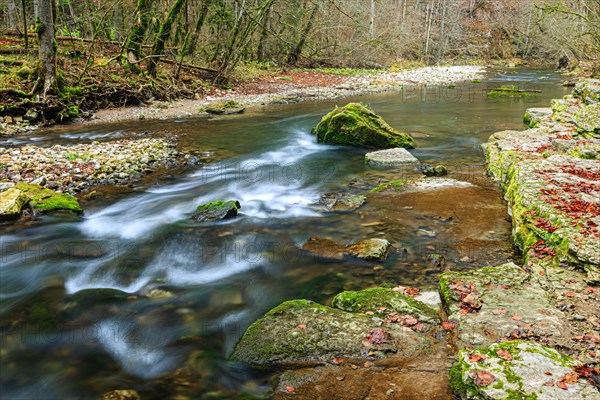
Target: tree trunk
[25, 24]
[36, 8]
[138, 34]
[12, 14]
[295, 54]
[263, 44]
[163, 34]
[199, 23]
[372, 21]
[47, 49]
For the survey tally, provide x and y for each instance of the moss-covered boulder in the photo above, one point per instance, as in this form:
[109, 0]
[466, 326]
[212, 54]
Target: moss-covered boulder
[369, 249]
[216, 210]
[438, 170]
[42, 200]
[491, 303]
[356, 125]
[225, 108]
[518, 370]
[301, 332]
[382, 301]
[12, 202]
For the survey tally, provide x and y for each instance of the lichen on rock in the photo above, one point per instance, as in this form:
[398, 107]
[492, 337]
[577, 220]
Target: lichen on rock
[357, 125]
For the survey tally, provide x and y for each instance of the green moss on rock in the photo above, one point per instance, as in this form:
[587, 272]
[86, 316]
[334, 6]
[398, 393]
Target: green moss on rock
[356, 125]
[47, 200]
[375, 298]
[217, 210]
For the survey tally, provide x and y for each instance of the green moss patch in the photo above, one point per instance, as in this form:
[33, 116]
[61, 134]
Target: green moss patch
[46, 200]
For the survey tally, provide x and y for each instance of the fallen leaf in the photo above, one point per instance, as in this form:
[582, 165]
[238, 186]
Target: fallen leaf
[336, 361]
[412, 292]
[505, 354]
[549, 383]
[302, 326]
[517, 317]
[570, 294]
[409, 321]
[500, 311]
[548, 373]
[570, 378]
[482, 378]
[562, 385]
[591, 290]
[476, 357]
[289, 389]
[450, 325]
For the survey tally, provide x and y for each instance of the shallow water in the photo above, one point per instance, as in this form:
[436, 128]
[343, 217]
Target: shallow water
[62, 337]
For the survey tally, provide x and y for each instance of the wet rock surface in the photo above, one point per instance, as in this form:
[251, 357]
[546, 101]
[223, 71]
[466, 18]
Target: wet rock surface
[368, 249]
[217, 210]
[302, 332]
[12, 202]
[356, 125]
[519, 370]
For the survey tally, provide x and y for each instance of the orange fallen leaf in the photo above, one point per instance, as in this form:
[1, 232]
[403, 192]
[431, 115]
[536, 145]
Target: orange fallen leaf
[562, 385]
[476, 357]
[570, 294]
[450, 325]
[548, 373]
[591, 290]
[517, 317]
[302, 326]
[482, 378]
[505, 354]
[289, 389]
[500, 311]
[336, 361]
[549, 383]
[571, 378]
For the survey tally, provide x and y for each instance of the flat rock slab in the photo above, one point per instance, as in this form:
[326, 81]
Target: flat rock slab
[518, 370]
[390, 158]
[498, 303]
[382, 302]
[535, 116]
[343, 202]
[301, 332]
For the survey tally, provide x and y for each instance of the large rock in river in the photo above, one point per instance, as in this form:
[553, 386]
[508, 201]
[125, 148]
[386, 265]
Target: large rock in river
[217, 210]
[518, 370]
[356, 125]
[43, 200]
[301, 332]
[11, 203]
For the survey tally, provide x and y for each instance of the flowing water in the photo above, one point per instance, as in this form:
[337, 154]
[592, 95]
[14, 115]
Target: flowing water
[76, 321]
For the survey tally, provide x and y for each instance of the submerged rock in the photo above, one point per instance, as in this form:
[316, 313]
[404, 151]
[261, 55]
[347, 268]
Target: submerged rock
[12, 202]
[382, 301]
[438, 170]
[495, 303]
[121, 395]
[225, 108]
[369, 249]
[390, 158]
[518, 370]
[42, 200]
[301, 332]
[357, 125]
[216, 210]
[339, 202]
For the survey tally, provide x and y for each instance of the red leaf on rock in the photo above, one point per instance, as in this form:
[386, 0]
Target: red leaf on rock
[562, 385]
[336, 361]
[500, 311]
[302, 326]
[476, 357]
[570, 294]
[378, 336]
[505, 354]
[450, 325]
[548, 373]
[591, 290]
[549, 383]
[517, 317]
[412, 292]
[289, 389]
[570, 378]
[482, 378]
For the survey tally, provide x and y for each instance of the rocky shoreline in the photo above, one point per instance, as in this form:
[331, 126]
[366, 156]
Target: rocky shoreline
[524, 332]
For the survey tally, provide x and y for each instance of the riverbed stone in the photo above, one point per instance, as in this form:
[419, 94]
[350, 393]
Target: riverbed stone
[369, 249]
[534, 116]
[438, 170]
[12, 202]
[4, 186]
[588, 90]
[382, 301]
[301, 332]
[518, 370]
[343, 202]
[225, 108]
[42, 200]
[125, 394]
[356, 125]
[497, 303]
[390, 158]
[216, 210]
